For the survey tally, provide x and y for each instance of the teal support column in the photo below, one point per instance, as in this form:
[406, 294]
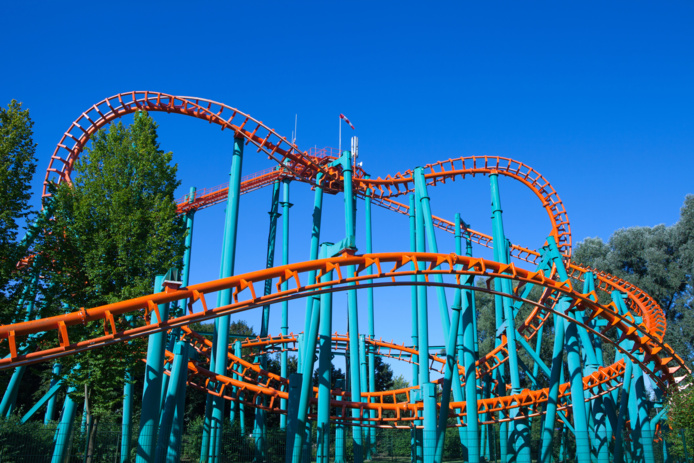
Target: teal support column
[423, 203]
[364, 387]
[487, 430]
[295, 382]
[221, 347]
[416, 444]
[415, 434]
[166, 428]
[469, 356]
[642, 435]
[10, 396]
[50, 407]
[207, 422]
[429, 435]
[413, 293]
[315, 240]
[307, 364]
[259, 428]
[426, 387]
[451, 369]
[458, 235]
[190, 216]
[27, 299]
[371, 441]
[151, 394]
[127, 419]
[520, 432]
[270, 261]
[240, 393]
[603, 434]
[340, 443]
[565, 339]
[285, 305]
[345, 161]
[64, 429]
[173, 453]
[41, 402]
[623, 411]
[324, 370]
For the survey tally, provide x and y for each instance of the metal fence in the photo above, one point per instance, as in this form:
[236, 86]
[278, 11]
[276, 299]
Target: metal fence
[33, 442]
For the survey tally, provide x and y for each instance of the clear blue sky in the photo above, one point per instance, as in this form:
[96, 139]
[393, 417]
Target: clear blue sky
[598, 98]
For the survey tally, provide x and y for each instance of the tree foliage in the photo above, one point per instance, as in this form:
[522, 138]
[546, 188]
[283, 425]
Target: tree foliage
[113, 230]
[660, 261]
[17, 167]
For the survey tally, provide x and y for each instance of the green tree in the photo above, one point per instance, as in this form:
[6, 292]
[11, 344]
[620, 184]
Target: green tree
[680, 419]
[17, 167]
[335, 375]
[114, 229]
[384, 375]
[660, 261]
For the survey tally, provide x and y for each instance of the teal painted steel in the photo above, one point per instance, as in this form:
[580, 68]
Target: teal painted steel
[27, 298]
[229, 251]
[10, 397]
[623, 411]
[166, 427]
[284, 328]
[470, 351]
[259, 428]
[127, 418]
[149, 420]
[315, 240]
[423, 203]
[565, 339]
[42, 401]
[173, 453]
[64, 430]
[362, 367]
[295, 382]
[324, 370]
[429, 430]
[270, 260]
[207, 422]
[340, 443]
[451, 369]
[50, 407]
[458, 237]
[308, 355]
[240, 393]
[642, 434]
[371, 441]
[520, 432]
[413, 292]
[345, 161]
[602, 432]
[416, 441]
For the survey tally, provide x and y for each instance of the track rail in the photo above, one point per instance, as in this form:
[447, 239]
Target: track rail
[659, 360]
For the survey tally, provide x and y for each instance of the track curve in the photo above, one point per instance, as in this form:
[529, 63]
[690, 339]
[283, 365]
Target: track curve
[659, 360]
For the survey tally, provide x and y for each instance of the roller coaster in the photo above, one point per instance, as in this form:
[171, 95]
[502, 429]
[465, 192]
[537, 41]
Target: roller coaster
[605, 405]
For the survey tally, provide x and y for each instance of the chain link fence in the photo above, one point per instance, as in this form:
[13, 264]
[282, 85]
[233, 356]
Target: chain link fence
[34, 442]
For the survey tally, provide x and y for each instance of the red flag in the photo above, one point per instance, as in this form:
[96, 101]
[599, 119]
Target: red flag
[344, 118]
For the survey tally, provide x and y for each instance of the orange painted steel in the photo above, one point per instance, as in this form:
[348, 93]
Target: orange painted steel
[253, 131]
[305, 166]
[300, 164]
[665, 363]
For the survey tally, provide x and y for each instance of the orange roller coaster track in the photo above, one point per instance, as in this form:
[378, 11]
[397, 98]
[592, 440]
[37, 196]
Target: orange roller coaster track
[636, 329]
